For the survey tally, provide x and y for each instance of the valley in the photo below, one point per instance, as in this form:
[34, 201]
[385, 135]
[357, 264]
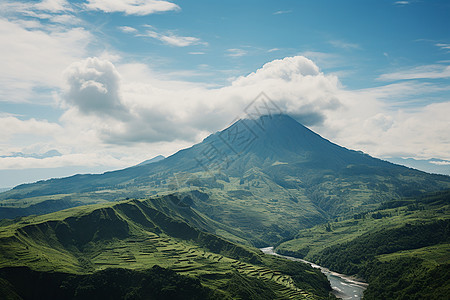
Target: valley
[402, 249]
[200, 215]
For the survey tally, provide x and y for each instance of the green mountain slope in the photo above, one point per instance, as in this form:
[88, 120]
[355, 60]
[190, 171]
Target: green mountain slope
[81, 251]
[268, 177]
[401, 249]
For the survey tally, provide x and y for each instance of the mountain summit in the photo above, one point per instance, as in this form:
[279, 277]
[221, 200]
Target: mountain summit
[267, 177]
[274, 138]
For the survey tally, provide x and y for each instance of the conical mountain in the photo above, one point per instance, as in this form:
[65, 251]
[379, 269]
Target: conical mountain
[280, 138]
[267, 177]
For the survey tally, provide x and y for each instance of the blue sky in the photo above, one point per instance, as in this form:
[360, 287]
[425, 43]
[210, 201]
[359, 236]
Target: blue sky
[105, 84]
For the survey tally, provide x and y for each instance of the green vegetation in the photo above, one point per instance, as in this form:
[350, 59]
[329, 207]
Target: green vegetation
[402, 250]
[286, 179]
[350, 257]
[81, 251]
[208, 205]
[152, 283]
[407, 278]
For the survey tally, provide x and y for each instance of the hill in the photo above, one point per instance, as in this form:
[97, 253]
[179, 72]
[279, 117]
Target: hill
[267, 177]
[401, 249]
[135, 249]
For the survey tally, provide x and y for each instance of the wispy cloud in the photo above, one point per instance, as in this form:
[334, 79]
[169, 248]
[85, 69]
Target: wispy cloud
[28, 8]
[175, 40]
[344, 45]
[421, 72]
[280, 12]
[196, 53]
[132, 7]
[402, 2]
[273, 50]
[54, 5]
[440, 162]
[31, 50]
[443, 46]
[55, 11]
[235, 52]
[127, 29]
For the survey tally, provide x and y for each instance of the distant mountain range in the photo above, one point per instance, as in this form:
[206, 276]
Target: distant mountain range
[51, 153]
[267, 177]
[433, 165]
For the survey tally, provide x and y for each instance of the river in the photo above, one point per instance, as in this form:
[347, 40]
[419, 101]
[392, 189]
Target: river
[344, 287]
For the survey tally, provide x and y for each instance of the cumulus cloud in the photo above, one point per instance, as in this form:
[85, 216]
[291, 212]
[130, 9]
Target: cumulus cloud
[287, 69]
[150, 111]
[94, 88]
[114, 110]
[13, 126]
[132, 7]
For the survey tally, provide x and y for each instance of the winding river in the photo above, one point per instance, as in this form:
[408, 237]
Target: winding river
[344, 287]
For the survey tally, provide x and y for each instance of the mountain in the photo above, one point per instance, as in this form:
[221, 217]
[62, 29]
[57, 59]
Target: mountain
[268, 178]
[432, 165]
[51, 153]
[151, 249]
[152, 160]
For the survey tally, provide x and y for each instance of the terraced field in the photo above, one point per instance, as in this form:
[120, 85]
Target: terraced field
[133, 235]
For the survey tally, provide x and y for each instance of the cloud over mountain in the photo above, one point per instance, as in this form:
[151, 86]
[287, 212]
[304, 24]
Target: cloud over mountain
[125, 107]
[145, 111]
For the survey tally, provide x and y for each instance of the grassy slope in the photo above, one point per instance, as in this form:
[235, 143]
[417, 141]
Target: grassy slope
[256, 205]
[137, 235]
[287, 178]
[269, 205]
[401, 249]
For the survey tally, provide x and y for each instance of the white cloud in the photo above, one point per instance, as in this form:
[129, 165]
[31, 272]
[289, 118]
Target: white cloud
[234, 52]
[154, 111]
[402, 2]
[88, 160]
[12, 126]
[32, 50]
[94, 88]
[443, 46]
[128, 29]
[281, 12]
[125, 113]
[175, 40]
[440, 163]
[132, 7]
[36, 9]
[65, 19]
[53, 5]
[344, 45]
[323, 59]
[421, 72]
[286, 69]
